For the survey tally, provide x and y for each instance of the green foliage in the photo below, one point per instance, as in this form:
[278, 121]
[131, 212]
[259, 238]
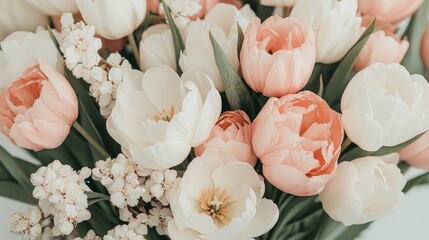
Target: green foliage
[341, 78]
[179, 45]
[236, 91]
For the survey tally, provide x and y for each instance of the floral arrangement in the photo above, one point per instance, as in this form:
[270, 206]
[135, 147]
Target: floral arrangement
[211, 119]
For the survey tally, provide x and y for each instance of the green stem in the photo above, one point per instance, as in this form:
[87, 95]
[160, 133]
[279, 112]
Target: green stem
[90, 139]
[132, 42]
[286, 11]
[345, 144]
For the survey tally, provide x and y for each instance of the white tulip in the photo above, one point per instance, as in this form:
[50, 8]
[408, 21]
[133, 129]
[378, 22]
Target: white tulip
[55, 7]
[364, 190]
[157, 48]
[384, 106]
[113, 19]
[335, 23]
[159, 116]
[216, 181]
[278, 3]
[21, 50]
[18, 15]
[221, 21]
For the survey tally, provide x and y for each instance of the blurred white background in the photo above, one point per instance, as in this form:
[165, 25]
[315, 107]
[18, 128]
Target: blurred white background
[410, 221]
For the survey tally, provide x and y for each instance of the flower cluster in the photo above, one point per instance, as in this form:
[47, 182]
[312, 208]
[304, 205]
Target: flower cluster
[133, 188]
[123, 179]
[61, 193]
[80, 48]
[227, 105]
[183, 10]
[28, 223]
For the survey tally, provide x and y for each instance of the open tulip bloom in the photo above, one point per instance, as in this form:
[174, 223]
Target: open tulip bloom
[211, 119]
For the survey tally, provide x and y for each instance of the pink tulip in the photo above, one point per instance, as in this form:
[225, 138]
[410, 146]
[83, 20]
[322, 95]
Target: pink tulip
[278, 56]
[232, 132]
[237, 3]
[382, 47]
[425, 46]
[153, 6]
[37, 110]
[417, 153]
[393, 11]
[298, 139]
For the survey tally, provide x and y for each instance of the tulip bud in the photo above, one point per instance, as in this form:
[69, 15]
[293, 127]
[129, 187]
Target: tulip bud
[364, 190]
[113, 19]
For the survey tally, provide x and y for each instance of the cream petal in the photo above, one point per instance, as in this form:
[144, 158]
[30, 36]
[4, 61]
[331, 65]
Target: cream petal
[200, 168]
[244, 174]
[371, 139]
[339, 199]
[175, 233]
[267, 214]
[161, 155]
[163, 87]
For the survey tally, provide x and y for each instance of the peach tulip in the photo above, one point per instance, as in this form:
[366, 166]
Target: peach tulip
[393, 11]
[298, 139]
[233, 133]
[37, 110]
[382, 47]
[425, 46]
[417, 153]
[278, 56]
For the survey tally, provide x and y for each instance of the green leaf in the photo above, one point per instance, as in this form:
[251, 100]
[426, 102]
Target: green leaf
[296, 214]
[10, 163]
[55, 41]
[358, 152]
[14, 191]
[179, 45]
[264, 12]
[412, 60]
[321, 87]
[341, 77]
[236, 91]
[353, 231]
[417, 181]
[329, 229]
[89, 114]
[240, 39]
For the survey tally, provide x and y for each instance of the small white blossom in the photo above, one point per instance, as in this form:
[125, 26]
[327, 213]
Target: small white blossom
[159, 218]
[162, 184]
[123, 232]
[89, 236]
[61, 193]
[182, 10]
[80, 48]
[28, 223]
[121, 178]
[79, 43]
[139, 224]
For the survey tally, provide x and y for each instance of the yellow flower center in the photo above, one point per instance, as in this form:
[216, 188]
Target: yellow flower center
[164, 116]
[215, 203]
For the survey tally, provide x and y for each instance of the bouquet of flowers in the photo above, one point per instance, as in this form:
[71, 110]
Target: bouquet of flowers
[211, 119]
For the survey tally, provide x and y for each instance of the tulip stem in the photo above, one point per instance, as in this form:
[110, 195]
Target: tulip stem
[90, 139]
[132, 42]
[286, 11]
[345, 144]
